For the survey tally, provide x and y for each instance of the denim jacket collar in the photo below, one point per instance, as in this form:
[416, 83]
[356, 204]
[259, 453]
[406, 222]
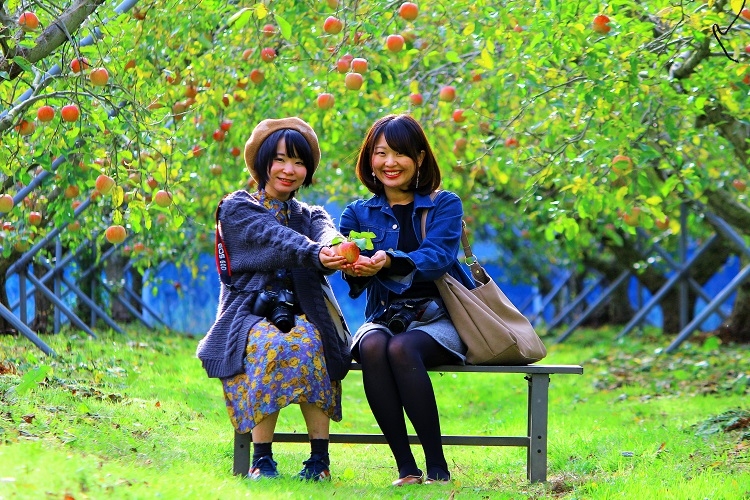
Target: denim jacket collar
[420, 201]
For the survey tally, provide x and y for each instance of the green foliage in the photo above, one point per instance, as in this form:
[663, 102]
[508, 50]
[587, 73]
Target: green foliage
[548, 103]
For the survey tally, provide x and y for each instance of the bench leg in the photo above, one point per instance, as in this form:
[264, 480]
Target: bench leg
[242, 453]
[536, 453]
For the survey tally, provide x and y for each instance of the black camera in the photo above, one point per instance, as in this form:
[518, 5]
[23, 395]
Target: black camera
[277, 307]
[402, 314]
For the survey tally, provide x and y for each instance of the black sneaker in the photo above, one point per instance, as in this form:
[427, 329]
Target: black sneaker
[265, 466]
[316, 468]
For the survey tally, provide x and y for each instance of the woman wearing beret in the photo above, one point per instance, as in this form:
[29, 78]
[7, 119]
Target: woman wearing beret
[274, 342]
[406, 329]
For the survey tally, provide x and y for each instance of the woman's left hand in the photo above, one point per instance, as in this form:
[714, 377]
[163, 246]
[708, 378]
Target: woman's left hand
[371, 266]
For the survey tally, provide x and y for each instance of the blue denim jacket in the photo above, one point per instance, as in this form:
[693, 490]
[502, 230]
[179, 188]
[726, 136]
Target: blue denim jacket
[437, 253]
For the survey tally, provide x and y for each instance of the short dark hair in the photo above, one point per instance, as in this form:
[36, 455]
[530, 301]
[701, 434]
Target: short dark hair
[296, 147]
[404, 135]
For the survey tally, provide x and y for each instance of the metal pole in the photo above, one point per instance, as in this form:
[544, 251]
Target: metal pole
[659, 295]
[593, 307]
[683, 290]
[51, 296]
[56, 285]
[25, 331]
[723, 295]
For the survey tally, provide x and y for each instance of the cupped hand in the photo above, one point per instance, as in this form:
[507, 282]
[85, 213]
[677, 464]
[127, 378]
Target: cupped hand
[330, 259]
[369, 266]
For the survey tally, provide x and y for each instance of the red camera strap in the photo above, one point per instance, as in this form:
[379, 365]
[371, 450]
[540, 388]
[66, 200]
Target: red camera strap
[222, 256]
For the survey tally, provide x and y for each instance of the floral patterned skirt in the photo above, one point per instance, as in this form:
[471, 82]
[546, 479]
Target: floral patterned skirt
[281, 369]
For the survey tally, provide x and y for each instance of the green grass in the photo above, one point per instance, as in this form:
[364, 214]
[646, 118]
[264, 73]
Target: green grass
[136, 417]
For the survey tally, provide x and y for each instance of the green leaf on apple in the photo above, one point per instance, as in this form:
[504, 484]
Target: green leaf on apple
[338, 239]
[362, 240]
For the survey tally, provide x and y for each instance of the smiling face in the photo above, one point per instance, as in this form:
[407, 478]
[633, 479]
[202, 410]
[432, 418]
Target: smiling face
[285, 175]
[393, 169]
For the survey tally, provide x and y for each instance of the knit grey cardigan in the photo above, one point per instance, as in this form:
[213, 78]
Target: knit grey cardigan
[258, 245]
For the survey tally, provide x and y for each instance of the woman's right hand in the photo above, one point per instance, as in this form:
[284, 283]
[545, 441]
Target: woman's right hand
[330, 259]
[369, 266]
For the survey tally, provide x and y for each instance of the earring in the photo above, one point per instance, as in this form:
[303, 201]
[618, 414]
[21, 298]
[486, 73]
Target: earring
[416, 186]
[374, 179]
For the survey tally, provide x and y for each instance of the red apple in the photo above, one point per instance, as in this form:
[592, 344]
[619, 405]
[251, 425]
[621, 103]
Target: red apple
[163, 198]
[745, 12]
[78, 64]
[333, 25]
[408, 11]
[460, 144]
[347, 249]
[394, 43]
[6, 203]
[45, 114]
[447, 93]
[71, 191]
[325, 100]
[104, 184]
[268, 54]
[662, 224]
[115, 234]
[226, 125]
[70, 112]
[197, 151]
[621, 164]
[152, 183]
[458, 116]
[353, 81]
[247, 53]
[511, 142]
[518, 28]
[215, 169]
[344, 63]
[269, 30]
[256, 76]
[632, 218]
[416, 99]
[35, 218]
[28, 21]
[236, 151]
[219, 135]
[139, 247]
[359, 65]
[191, 91]
[74, 226]
[99, 77]
[601, 24]
[130, 64]
[25, 127]
[739, 185]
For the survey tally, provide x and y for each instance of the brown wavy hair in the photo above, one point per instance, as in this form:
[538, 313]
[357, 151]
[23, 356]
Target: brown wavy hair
[404, 135]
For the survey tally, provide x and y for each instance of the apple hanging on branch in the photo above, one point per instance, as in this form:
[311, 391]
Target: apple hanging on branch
[350, 247]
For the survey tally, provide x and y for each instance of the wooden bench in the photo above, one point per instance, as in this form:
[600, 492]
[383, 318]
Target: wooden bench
[535, 440]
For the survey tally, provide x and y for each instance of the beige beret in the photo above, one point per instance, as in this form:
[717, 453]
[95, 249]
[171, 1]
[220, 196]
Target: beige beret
[268, 127]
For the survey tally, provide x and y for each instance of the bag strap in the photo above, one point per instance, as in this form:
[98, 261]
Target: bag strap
[469, 258]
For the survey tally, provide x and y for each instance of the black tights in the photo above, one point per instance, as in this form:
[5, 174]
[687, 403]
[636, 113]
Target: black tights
[394, 372]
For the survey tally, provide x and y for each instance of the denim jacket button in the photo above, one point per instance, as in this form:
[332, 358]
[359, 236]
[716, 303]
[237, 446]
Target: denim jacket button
[395, 226]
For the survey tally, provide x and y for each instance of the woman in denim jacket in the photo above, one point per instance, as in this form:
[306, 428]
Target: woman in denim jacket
[407, 329]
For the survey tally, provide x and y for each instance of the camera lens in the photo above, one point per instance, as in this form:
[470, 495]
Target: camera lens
[283, 314]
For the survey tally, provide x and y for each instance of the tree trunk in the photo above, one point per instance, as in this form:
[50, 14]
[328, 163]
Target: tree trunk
[43, 308]
[114, 272]
[737, 327]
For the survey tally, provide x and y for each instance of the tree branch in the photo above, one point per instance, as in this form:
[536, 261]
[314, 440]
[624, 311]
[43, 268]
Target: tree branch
[53, 37]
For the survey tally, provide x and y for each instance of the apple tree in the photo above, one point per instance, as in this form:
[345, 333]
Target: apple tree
[576, 133]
